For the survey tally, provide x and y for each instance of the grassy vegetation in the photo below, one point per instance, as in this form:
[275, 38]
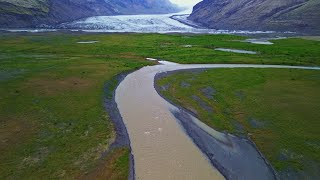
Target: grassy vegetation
[286, 51]
[114, 167]
[51, 113]
[51, 105]
[277, 108]
[171, 47]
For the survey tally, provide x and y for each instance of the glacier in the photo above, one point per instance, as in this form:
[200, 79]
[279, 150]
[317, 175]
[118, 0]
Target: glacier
[155, 23]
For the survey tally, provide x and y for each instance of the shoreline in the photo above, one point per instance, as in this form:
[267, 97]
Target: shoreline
[235, 157]
[200, 137]
[110, 105]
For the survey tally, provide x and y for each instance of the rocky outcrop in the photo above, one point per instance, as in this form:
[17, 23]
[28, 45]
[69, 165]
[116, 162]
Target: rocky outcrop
[32, 13]
[275, 15]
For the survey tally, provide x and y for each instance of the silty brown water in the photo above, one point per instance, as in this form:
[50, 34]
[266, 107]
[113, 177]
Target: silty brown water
[161, 148]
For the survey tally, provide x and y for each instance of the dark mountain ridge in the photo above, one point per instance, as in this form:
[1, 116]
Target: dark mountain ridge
[276, 15]
[32, 13]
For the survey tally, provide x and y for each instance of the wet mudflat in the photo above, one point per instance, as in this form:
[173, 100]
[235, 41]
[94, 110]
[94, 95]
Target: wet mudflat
[263, 105]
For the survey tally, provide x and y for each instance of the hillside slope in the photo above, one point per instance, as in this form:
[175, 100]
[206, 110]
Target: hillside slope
[277, 15]
[31, 13]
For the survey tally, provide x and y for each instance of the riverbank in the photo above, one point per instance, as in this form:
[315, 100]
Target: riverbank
[54, 121]
[235, 157]
[156, 135]
[51, 89]
[230, 104]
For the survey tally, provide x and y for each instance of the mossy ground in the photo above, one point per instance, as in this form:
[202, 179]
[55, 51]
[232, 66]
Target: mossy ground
[51, 104]
[53, 123]
[277, 108]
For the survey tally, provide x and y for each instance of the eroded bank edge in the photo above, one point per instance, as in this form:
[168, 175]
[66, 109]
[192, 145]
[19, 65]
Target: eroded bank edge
[122, 137]
[183, 116]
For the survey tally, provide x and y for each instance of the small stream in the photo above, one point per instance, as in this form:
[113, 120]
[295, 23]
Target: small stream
[235, 51]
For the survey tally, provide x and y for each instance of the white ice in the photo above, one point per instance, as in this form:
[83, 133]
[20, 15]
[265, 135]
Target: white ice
[155, 23]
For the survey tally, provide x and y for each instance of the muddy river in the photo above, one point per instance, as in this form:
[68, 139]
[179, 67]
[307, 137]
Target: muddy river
[161, 146]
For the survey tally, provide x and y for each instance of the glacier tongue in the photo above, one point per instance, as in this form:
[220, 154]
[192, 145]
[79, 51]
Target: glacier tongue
[156, 23]
[130, 23]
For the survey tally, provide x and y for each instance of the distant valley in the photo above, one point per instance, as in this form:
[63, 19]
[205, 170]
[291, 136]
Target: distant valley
[33, 13]
[208, 16]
